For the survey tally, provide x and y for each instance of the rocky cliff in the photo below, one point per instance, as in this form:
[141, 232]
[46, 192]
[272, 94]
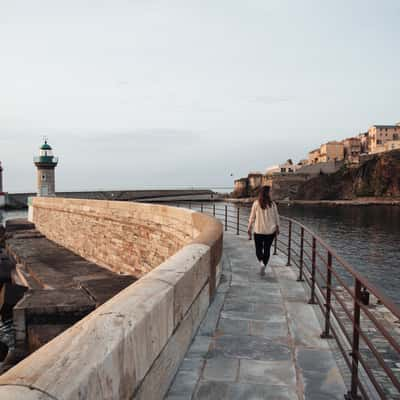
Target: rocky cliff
[377, 177]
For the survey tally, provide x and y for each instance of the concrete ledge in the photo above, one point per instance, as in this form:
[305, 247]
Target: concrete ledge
[131, 346]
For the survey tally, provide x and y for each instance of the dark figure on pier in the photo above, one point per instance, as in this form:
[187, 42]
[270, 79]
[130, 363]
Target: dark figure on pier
[265, 218]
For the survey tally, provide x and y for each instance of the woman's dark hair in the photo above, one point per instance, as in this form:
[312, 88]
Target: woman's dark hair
[264, 197]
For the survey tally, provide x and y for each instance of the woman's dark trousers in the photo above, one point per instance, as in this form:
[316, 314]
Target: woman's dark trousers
[263, 246]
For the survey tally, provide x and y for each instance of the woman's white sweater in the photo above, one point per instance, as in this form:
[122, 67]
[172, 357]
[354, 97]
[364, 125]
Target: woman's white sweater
[265, 221]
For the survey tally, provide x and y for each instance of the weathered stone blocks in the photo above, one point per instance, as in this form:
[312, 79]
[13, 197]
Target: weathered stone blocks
[131, 346]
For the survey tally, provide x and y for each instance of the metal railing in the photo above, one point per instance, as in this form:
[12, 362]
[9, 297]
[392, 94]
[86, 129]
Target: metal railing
[369, 345]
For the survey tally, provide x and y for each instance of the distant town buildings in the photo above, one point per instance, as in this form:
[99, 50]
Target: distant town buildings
[383, 137]
[331, 151]
[377, 139]
[313, 156]
[352, 150]
[327, 158]
[286, 168]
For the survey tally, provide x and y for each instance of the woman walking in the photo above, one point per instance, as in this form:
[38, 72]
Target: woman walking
[265, 218]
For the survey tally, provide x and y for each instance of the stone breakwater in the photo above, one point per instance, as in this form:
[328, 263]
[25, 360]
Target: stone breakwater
[48, 288]
[131, 346]
[124, 239]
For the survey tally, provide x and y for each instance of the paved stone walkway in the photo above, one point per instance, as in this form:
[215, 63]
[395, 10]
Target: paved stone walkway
[259, 340]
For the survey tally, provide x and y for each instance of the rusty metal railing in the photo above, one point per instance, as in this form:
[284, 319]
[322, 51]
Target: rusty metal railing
[369, 345]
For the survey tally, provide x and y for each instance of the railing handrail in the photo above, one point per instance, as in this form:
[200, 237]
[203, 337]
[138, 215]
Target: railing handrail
[323, 295]
[364, 281]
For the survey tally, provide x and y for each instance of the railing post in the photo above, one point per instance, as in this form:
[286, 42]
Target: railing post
[201, 207]
[289, 253]
[314, 246]
[327, 334]
[213, 209]
[237, 221]
[352, 394]
[226, 218]
[300, 278]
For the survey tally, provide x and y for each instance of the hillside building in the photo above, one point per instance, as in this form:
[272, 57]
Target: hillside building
[313, 156]
[364, 142]
[331, 151]
[286, 168]
[254, 180]
[379, 135]
[352, 150]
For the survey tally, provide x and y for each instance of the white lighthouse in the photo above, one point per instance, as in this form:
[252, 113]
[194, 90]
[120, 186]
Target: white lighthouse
[46, 164]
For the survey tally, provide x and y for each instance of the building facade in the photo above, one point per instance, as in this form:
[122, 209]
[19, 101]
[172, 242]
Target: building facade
[364, 142]
[352, 150]
[313, 156]
[240, 187]
[379, 135]
[255, 180]
[286, 168]
[331, 151]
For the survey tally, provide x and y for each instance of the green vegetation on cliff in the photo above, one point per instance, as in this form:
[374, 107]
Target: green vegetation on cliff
[377, 177]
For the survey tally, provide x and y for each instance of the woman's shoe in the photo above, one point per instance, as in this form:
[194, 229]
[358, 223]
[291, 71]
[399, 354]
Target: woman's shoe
[262, 269]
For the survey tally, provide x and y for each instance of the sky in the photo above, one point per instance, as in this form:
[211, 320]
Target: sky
[151, 93]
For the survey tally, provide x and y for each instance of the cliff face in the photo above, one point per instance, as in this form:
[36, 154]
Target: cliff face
[377, 177]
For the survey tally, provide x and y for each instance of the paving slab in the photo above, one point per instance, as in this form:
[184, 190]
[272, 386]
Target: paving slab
[281, 373]
[221, 369]
[242, 391]
[324, 382]
[260, 338]
[233, 326]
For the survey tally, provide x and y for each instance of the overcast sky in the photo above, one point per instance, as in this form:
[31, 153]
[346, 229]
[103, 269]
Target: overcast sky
[165, 93]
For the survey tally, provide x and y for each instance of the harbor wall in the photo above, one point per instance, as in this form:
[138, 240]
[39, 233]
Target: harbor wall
[20, 200]
[131, 346]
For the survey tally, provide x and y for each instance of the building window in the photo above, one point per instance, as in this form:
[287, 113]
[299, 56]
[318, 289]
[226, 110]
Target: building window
[395, 136]
[379, 141]
[43, 177]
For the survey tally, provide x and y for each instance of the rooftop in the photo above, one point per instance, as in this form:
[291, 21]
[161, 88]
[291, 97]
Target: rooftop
[45, 146]
[386, 126]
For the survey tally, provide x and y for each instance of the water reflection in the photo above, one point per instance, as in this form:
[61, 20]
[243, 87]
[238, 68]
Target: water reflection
[5, 215]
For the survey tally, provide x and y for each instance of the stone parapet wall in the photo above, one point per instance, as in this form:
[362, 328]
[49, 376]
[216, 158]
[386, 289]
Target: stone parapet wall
[131, 346]
[122, 236]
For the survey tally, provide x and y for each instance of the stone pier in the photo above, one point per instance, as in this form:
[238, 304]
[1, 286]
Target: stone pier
[259, 340]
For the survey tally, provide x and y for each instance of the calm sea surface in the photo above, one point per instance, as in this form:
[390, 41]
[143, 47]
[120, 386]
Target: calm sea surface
[367, 237]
